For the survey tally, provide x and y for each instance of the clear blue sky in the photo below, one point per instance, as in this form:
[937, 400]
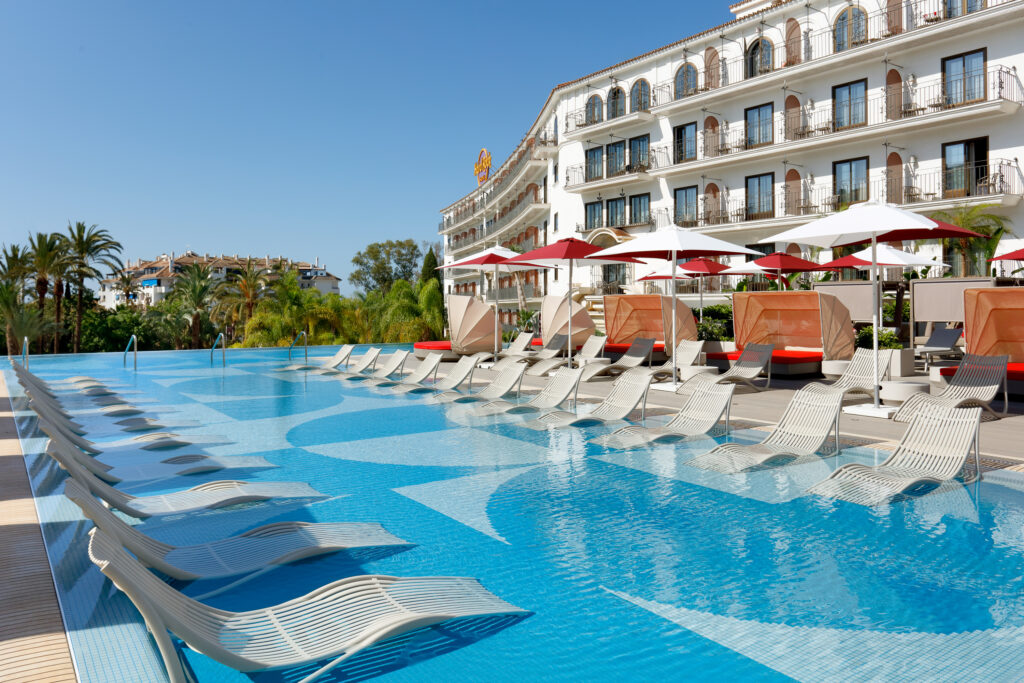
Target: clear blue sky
[299, 128]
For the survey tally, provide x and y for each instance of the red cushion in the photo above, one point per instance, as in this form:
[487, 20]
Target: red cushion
[1014, 371]
[613, 347]
[433, 345]
[779, 356]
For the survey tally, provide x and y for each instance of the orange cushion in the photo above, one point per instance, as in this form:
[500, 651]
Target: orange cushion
[779, 356]
[1014, 371]
[433, 345]
[612, 347]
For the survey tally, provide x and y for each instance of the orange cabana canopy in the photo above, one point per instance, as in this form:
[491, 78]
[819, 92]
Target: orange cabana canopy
[632, 316]
[554, 319]
[796, 321]
[472, 324]
[994, 322]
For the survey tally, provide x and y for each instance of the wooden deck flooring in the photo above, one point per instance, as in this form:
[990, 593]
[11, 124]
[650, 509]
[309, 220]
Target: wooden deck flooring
[33, 643]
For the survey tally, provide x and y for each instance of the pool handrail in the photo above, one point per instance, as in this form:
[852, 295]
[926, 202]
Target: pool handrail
[132, 343]
[223, 350]
[306, 345]
[24, 352]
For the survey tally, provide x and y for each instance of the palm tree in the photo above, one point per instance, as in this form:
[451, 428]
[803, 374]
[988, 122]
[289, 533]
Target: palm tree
[978, 219]
[60, 271]
[243, 291]
[15, 267]
[46, 259]
[10, 307]
[127, 286]
[196, 290]
[89, 247]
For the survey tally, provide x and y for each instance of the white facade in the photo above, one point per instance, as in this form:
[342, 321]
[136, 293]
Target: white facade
[788, 112]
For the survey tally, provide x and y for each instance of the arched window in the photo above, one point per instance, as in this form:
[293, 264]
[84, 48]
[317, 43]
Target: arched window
[686, 81]
[640, 96]
[759, 57]
[616, 103]
[792, 42]
[712, 68]
[595, 110]
[850, 29]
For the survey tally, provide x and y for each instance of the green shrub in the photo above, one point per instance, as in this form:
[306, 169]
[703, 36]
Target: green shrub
[716, 312]
[713, 330]
[889, 312]
[887, 339]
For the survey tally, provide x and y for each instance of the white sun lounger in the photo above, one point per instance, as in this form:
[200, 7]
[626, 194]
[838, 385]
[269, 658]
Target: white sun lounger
[329, 624]
[976, 383]
[361, 367]
[635, 356]
[462, 371]
[563, 383]
[508, 379]
[253, 552]
[627, 394]
[179, 465]
[592, 348]
[393, 365]
[555, 348]
[686, 354]
[427, 368]
[933, 450]
[214, 494]
[755, 360]
[942, 342]
[520, 344]
[805, 426]
[700, 415]
[859, 377]
[340, 357]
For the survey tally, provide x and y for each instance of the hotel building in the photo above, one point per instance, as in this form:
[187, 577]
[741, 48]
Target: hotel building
[154, 278]
[790, 111]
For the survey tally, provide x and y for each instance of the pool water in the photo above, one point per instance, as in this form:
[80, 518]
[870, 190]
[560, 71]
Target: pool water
[634, 565]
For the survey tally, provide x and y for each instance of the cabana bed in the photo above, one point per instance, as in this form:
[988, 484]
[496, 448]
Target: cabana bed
[634, 316]
[994, 326]
[472, 330]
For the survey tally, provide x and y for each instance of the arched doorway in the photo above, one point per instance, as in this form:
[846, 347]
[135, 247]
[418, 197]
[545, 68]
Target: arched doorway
[793, 249]
[711, 137]
[794, 195]
[613, 277]
[794, 118]
[893, 95]
[712, 68]
[894, 178]
[793, 42]
[713, 213]
[893, 18]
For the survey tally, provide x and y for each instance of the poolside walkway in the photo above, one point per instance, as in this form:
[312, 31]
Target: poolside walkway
[33, 644]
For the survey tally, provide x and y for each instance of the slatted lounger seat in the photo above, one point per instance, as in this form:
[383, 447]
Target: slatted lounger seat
[427, 368]
[934, 450]
[700, 415]
[462, 371]
[592, 348]
[254, 551]
[686, 354]
[637, 354]
[627, 394]
[941, 343]
[755, 360]
[555, 348]
[328, 625]
[508, 379]
[563, 384]
[806, 424]
[976, 383]
[341, 358]
[859, 377]
[392, 366]
[361, 367]
[518, 345]
[214, 494]
[179, 465]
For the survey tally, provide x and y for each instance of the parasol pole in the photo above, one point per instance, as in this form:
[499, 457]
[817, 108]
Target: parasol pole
[568, 303]
[874, 310]
[497, 325]
[700, 288]
[675, 382]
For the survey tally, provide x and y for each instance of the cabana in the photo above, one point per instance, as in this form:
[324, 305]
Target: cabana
[805, 328]
[635, 316]
[554, 319]
[472, 330]
[994, 326]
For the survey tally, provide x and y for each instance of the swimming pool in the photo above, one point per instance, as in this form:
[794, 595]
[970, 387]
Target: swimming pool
[633, 564]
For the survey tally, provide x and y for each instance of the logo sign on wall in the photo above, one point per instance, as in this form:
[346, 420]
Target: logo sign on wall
[482, 167]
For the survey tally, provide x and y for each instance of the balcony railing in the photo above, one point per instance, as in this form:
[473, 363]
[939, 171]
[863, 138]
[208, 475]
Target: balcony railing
[530, 200]
[899, 186]
[512, 293]
[894, 103]
[802, 48]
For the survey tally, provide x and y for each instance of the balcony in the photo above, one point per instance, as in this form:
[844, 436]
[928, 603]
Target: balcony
[995, 182]
[585, 177]
[647, 221]
[580, 122]
[528, 208]
[879, 27]
[511, 294]
[926, 103]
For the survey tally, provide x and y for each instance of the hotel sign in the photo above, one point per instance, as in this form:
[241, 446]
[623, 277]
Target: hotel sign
[482, 167]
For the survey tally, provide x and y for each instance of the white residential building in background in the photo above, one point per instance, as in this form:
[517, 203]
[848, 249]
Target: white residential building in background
[790, 111]
[153, 279]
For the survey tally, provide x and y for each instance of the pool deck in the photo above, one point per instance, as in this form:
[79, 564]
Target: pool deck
[33, 644]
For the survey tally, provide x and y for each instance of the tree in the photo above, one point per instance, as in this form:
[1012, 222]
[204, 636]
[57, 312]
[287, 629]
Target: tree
[196, 290]
[46, 260]
[88, 248]
[382, 263]
[244, 290]
[978, 219]
[127, 286]
[16, 267]
[429, 270]
[10, 307]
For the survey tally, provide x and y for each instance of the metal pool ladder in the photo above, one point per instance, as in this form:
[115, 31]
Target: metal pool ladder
[24, 352]
[133, 343]
[306, 345]
[223, 350]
